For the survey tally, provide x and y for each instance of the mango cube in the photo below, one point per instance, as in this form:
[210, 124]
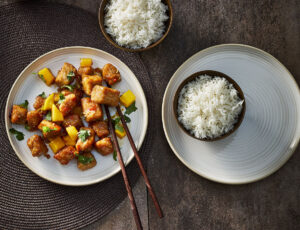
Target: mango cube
[86, 62]
[56, 97]
[120, 134]
[56, 144]
[48, 102]
[69, 141]
[72, 132]
[46, 75]
[127, 98]
[56, 114]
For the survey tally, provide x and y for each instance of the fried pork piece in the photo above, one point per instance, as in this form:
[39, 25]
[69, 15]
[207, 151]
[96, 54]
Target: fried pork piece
[101, 128]
[105, 95]
[49, 129]
[33, 119]
[104, 146]
[39, 102]
[111, 74]
[65, 75]
[72, 120]
[18, 115]
[65, 155]
[90, 162]
[78, 93]
[88, 82]
[91, 111]
[68, 104]
[87, 70]
[37, 146]
[86, 138]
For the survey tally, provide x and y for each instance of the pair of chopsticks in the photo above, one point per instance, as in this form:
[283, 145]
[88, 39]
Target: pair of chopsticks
[138, 159]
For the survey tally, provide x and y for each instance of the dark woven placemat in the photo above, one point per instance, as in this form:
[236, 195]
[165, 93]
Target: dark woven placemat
[28, 30]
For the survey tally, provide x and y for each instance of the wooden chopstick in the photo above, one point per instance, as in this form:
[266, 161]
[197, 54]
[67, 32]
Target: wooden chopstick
[126, 181]
[138, 159]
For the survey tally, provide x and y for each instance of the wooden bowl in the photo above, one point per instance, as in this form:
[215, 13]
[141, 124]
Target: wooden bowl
[168, 24]
[212, 74]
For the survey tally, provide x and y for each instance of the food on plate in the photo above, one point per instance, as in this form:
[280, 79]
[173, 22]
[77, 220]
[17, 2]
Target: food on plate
[66, 75]
[86, 161]
[91, 110]
[208, 107]
[104, 146]
[105, 95]
[135, 23]
[127, 98]
[71, 118]
[37, 146]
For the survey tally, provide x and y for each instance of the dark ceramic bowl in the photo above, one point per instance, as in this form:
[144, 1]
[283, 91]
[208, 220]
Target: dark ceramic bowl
[168, 24]
[212, 74]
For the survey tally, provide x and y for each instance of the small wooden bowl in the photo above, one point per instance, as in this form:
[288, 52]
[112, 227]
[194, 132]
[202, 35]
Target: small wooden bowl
[168, 24]
[212, 74]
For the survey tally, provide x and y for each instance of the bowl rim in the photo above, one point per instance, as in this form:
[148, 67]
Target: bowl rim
[211, 73]
[111, 41]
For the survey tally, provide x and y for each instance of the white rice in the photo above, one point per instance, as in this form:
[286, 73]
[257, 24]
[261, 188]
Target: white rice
[135, 23]
[209, 106]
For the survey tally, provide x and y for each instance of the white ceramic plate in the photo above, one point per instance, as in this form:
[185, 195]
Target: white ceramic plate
[270, 131]
[28, 87]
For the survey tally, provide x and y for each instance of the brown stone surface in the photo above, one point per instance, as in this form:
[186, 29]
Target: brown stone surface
[189, 201]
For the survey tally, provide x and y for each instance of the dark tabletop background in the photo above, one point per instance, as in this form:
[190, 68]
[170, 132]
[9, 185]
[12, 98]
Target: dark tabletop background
[188, 200]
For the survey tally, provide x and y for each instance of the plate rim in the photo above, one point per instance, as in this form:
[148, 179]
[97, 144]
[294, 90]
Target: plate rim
[291, 151]
[118, 168]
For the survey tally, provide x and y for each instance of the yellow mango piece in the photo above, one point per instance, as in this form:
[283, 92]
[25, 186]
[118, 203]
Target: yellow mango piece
[127, 98]
[46, 75]
[120, 134]
[69, 141]
[72, 132]
[86, 62]
[56, 97]
[56, 144]
[56, 114]
[48, 102]
[78, 110]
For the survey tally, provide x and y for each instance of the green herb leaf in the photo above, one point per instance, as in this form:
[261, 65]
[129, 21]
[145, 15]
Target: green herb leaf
[47, 129]
[61, 98]
[70, 75]
[119, 127]
[69, 87]
[116, 120]
[43, 95]
[127, 119]
[130, 109]
[19, 135]
[27, 127]
[24, 105]
[85, 160]
[84, 134]
[115, 155]
[48, 116]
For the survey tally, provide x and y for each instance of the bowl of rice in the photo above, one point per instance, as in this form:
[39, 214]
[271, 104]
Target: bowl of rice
[135, 25]
[209, 105]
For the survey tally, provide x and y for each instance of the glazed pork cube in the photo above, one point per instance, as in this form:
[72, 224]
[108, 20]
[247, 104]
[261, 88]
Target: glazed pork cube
[101, 128]
[37, 146]
[91, 111]
[87, 70]
[105, 95]
[86, 161]
[39, 102]
[78, 93]
[65, 75]
[86, 138]
[65, 155]
[88, 82]
[18, 115]
[72, 120]
[111, 74]
[33, 119]
[68, 104]
[49, 129]
[104, 146]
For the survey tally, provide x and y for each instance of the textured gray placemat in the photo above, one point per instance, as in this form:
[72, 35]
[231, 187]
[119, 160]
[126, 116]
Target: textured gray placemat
[28, 30]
